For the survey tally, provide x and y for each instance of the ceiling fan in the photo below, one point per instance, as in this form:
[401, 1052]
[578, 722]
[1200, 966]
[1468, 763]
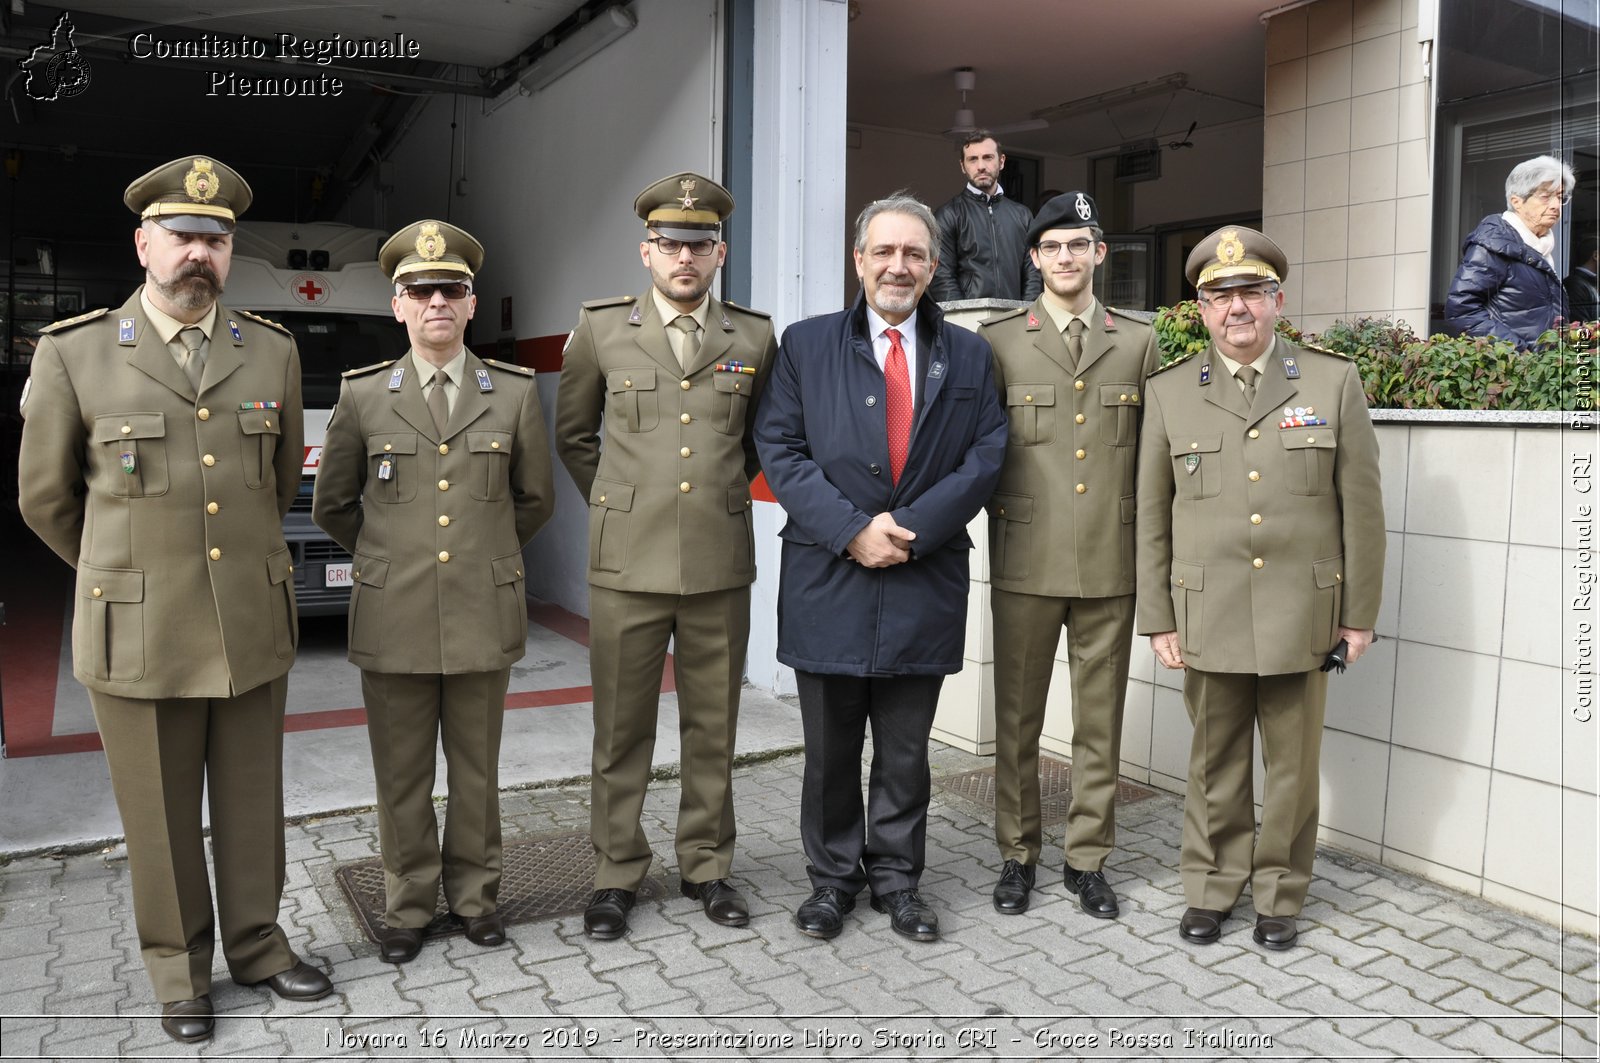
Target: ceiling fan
[964, 122]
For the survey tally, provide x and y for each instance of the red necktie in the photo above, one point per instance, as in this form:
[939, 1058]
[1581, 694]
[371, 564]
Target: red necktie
[897, 402]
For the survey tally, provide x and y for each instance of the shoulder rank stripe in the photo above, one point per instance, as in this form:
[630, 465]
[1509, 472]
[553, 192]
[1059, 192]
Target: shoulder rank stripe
[1290, 369]
[1205, 373]
[125, 330]
[484, 383]
[396, 377]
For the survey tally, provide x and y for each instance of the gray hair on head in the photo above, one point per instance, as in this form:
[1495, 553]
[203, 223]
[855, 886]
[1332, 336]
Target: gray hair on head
[1527, 177]
[898, 202]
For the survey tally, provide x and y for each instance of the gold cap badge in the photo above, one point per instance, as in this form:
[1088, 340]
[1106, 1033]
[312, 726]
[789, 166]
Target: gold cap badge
[200, 183]
[430, 242]
[1230, 249]
[687, 184]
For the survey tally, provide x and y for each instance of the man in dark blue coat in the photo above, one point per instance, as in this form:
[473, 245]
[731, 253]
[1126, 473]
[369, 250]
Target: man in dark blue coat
[881, 435]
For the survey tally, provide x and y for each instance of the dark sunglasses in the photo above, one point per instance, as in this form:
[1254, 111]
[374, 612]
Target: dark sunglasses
[424, 292]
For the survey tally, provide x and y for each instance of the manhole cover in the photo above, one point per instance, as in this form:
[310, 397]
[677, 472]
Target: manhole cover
[544, 876]
[1055, 788]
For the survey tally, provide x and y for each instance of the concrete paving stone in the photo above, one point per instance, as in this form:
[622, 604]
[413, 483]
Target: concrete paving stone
[1172, 999]
[1580, 1036]
[98, 998]
[1569, 952]
[1497, 986]
[77, 1033]
[553, 943]
[1341, 939]
[1415, 952]
[614, 955]
[722, 991]
[1486, 1040]
[31, 877]
[78, 913]
[1538, 970]
[644, 989]
[29, 972]
[1121, 941]
[865, 996]
[1053, 977]
[1326, 897]
[1105, 970]
[532, 1001]
[23, 1040]
[375, 994]
[1319, 1038]
[442, 998]
[969, 976]
[572, 981]
[1180, 967]
[1409, 994]
[97, 945]
[30, 938]
[1274, 973]
[750, 960]
[1339, 978]
[1487, 954]
[790, 994]
[351, 850]
[1320, 1001]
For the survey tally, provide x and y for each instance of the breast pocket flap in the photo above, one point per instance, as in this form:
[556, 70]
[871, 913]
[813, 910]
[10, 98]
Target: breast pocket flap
[734, 383]
[1188, 575]
[392, 443]
[739, 498]
[280, 566]
[1328, 573]
[489, 442]
[114, 426]
[624, 380]
[1196, 445]
[259, 423]
[111, 584]
[1030, 394]
[1308, 439]
[1018, 508]
[372, 571]
[506, 569]
[1119, 394]
[611, 495]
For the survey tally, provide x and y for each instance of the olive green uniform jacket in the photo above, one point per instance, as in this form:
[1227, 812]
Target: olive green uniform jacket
[1257, 542]
[436, 524]
[669, 492]
[169, 505]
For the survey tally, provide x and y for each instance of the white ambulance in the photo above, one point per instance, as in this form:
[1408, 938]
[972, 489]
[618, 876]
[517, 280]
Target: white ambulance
[321, 281]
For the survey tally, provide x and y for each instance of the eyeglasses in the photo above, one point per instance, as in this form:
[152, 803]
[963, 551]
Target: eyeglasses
[1551, 196]
[1253, 298]
[423, 293]
[1052, 248]
[698, 248]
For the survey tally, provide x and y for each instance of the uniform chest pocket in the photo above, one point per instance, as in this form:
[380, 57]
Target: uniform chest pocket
[1030, 414]
[392, 468]
[731, 403]
[1309, 455]
[1119, 413]
[259, 432]
[490, 454]
[131, 453]
[1197, 466]
[634, 405]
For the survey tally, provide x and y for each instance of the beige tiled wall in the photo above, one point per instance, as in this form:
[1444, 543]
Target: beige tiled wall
[1346, 165]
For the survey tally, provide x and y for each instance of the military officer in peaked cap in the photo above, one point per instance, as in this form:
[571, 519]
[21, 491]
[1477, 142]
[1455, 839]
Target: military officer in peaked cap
[161, 448]
[435, 474]
[674, 375]
[1260, 547]
[1071, 374]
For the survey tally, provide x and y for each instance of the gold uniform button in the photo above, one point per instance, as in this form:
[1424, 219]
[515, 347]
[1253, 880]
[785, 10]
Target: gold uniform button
[494, 444]
[685, 418]
[212, 507]
[1338, 577]
[444, 485]
[1081, 454]
[685, 452]
[1194, 446]
[1123, 398]
[444, 521]
[684, 487]
[737, 386]
[356, 574]
[684, 384]
[519, 573]
[1000, 512]
[1078, 385]
[1255, 518]
[1027, 398]
[1180, 581]
[98, 592]
[602, 499]
[444, 448]
[1080, 489]
[1258, 563]
[266, 424]
[444, 555]
[216, 553]
[1253, 434]
[627, 383]
[1080, 418]
[1134, 395]
[1254, 476]
[388, 446]
[203, 413]
[208, 461]
[1311, 439]
[127, 428]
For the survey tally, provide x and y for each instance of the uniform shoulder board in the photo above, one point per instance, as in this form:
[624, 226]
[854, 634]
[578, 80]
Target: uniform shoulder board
[1005, 315]
[1324, 350]
[747, 310]
[364, 370]
[264, 321]
[57, 326]
[1129, 315]
[1175, 361]
[508, 367]
[615, 300]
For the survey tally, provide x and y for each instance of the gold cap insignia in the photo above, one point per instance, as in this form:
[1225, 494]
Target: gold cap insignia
[430, 243]
[1230, 249]
[200, 183]
[687, 184]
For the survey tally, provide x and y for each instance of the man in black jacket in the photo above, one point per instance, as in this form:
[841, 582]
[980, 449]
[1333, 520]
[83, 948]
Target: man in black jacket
[983, 245]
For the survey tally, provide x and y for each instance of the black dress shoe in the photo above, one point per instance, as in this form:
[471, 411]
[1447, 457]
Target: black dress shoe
[1011, 892]
[908, 914]
[302, 982]
[189, 1020]
[606, 917]
[721, 901]
[1201, 925]
[1094, 893]
[485, 930]
[822, 914]
[1276, 932]
[400, 944]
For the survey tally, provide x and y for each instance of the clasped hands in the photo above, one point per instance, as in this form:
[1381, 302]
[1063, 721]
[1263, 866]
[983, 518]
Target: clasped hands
[881, 543]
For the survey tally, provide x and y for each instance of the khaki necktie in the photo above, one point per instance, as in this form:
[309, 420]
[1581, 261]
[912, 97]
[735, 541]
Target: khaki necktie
[691, 340]
[1247, 383]
[1075, 342]
[438, 405]
[194, 362]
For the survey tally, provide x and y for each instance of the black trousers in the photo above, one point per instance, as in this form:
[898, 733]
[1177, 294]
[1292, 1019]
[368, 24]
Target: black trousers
[885, 847]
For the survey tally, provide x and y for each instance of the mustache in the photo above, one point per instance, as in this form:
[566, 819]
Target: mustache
[197, 271]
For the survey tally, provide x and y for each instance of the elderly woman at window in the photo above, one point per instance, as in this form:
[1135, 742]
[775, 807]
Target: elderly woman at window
[1507, 285]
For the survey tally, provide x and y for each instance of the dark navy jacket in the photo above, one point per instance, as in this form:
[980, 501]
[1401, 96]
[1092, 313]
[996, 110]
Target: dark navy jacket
[823, 440]
[1503, 287]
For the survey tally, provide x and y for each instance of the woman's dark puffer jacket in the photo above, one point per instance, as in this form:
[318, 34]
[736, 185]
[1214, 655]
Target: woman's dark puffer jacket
[1503, 287]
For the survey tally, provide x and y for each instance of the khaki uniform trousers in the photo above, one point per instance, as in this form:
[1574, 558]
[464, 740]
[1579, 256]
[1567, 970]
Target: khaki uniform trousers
[1221, 849]
[406, 716]
[162, 754]
[628, 634]
[1027, 629]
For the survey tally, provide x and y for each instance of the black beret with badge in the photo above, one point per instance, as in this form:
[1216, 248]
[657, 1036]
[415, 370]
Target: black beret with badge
[1234, 256]
[194, 194]
[1070, 210]
[685, 206]
[435, 248]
